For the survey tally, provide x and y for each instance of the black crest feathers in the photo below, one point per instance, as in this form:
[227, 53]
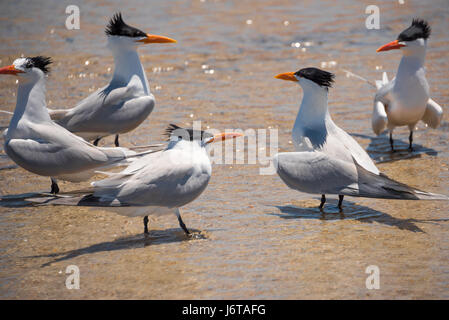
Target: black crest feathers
[185, 134]
[419, 29]
[118, 27]
[320, 77]
[39, 62]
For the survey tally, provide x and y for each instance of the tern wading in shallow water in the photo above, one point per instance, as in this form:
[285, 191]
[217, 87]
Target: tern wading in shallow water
[41, 146]
[328, 160]
[404, 101]
[126, 101]
[158, 183]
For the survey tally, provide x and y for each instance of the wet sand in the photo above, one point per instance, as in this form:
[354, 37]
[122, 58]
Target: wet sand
[262, 240]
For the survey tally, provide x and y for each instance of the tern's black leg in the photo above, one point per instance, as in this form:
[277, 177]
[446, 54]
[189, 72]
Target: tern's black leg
[54, 186]
[145, 224]
[323, 201]
[96, 141]
[391, 141]
[410, 140]
[116, 141]
[340, 201]
[182, 225]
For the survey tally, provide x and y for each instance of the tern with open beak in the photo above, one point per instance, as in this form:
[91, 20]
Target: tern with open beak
[41, 146]
[405, 100]
[328, 160]
[126, 101]
[158, 183]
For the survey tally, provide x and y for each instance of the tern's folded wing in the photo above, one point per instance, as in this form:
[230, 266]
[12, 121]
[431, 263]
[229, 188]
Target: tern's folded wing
[90, 106]
[379, 119]
[340, 138]
[315, 172]
[52, 159]
[167, 180]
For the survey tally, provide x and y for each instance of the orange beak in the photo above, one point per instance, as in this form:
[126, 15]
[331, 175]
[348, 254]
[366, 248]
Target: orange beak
[223, 136]
[391, 46]
[290, 76]
[10, 70]
[151, 38]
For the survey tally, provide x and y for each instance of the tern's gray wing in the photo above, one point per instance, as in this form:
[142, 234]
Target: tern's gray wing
[338, 138]
[170, 179]
[108, 110]
[51, 150]
[315, 172]
[433, 114]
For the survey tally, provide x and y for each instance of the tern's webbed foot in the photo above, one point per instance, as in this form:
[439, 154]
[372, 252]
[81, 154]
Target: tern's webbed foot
[117, 144]
[96, 141]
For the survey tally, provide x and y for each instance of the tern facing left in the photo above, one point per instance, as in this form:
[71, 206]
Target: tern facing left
[405, 100]
[41, 146]
[126, 101]
[158, 183]
[328, 160]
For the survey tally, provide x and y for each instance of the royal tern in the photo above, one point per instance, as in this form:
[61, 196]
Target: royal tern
[126, 101]
[405, 100]
[158, 183]
[328, 160]
[41, 146]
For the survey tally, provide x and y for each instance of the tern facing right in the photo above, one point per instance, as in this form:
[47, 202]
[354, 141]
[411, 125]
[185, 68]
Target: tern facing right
[405, 100]
[126, 101]
[330, 161]
[158, 183]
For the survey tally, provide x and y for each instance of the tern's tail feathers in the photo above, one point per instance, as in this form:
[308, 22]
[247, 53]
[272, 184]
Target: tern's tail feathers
[371, 185]
[384, 81]
[122, 156]
[352, 74]
[88, 200]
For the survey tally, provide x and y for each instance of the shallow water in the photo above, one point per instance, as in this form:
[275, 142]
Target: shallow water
[259, 239]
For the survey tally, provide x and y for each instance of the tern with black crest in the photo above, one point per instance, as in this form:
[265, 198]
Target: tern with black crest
[41, 146]
[329, 161]
[405, 100]
[126, 101]
[158, 183]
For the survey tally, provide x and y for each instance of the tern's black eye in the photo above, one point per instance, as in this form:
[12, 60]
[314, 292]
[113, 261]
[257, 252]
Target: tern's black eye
[117, 27]
[320, 77]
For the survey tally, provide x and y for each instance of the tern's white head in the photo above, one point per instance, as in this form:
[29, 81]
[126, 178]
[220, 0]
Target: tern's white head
[310, 79]
[181, 137]
[412, 41]
[28, 69]
[124, 37]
